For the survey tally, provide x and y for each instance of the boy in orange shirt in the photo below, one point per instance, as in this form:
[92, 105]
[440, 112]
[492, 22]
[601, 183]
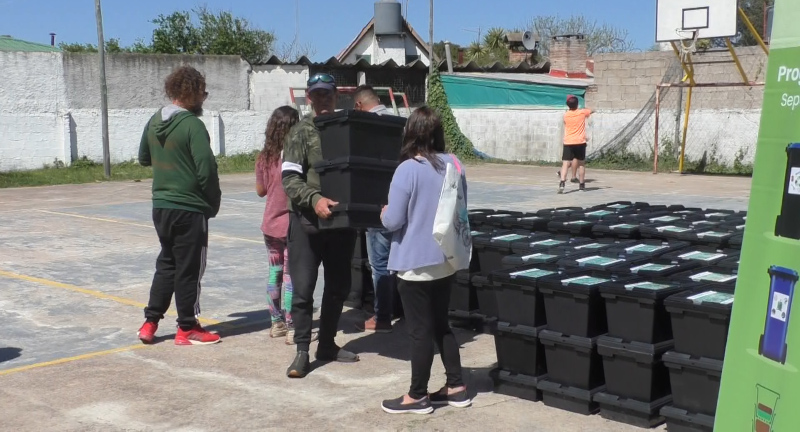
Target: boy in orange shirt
[574, 143]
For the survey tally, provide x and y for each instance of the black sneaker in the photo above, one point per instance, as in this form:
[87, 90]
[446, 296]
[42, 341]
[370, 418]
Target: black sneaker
[575, 180]
[583, 187]
[335, 354]
[300, 367]
[396, 406]
[561, 186]
[458, 400]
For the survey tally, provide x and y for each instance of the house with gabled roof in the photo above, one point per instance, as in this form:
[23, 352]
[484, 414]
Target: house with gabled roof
[387, 36]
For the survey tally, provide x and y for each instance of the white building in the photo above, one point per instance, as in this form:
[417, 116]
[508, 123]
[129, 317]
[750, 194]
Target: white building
[388, 36]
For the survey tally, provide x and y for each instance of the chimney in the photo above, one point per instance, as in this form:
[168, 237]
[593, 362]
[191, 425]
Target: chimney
[568, 56]
[52, 39]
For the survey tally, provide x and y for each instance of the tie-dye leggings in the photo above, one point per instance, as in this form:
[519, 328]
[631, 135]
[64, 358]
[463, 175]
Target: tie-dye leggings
[279, 278]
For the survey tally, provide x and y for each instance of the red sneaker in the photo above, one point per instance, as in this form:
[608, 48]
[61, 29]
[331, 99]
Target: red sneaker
[147, 333]
[196, 336]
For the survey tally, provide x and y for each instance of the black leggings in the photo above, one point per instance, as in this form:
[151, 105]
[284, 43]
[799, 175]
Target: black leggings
[426, 305]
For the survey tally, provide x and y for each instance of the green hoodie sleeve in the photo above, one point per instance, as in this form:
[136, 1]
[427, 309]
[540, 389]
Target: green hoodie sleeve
[295, 168]
[144, 148]
[206, 163]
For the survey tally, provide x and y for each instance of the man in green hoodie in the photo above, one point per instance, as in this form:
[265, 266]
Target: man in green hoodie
[186, 195]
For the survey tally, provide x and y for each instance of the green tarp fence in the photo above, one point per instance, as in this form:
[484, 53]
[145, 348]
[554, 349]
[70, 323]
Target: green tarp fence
[469, 92]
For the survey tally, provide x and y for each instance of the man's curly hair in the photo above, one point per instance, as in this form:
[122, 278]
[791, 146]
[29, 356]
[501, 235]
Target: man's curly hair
[185, 84]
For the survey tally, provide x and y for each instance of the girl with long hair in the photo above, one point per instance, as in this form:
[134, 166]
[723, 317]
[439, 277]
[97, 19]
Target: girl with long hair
[275, 223]
[424, 274]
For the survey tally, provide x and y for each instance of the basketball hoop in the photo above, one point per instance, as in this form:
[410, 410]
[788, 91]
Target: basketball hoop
[688, 42]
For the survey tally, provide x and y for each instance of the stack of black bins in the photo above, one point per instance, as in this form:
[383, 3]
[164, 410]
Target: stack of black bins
[463, 299]
[360, 153]
[700, 320]
[490, 251]
[520, 354]
[639, 334]
[576, 318]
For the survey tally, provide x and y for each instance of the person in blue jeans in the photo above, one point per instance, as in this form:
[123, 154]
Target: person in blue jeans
[379, 241]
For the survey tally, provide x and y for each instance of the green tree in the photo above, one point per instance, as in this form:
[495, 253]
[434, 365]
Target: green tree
[210, 33]
[600, 38]
[439, 51]
[218, 33]
[754, 9]
[112, 46]
[492, 49]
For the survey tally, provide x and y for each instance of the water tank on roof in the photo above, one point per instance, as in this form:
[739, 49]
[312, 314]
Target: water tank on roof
[388, 18]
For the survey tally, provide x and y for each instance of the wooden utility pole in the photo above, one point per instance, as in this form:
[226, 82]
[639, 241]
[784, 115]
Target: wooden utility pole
[101, 49]
[431, 40]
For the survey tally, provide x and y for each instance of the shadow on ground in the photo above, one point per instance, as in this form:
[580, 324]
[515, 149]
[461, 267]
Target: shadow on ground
[394, 345]
[9, 353]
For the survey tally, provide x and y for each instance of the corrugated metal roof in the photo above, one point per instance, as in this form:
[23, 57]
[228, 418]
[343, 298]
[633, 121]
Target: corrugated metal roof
[7, 43]
[522, 68]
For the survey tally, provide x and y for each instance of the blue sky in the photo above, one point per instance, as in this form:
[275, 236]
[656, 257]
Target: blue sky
[328, 25]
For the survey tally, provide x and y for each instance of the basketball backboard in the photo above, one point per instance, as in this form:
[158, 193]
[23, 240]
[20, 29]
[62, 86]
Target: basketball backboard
[679, 19]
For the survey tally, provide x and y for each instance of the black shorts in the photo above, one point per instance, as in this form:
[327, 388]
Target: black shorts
[574, 152]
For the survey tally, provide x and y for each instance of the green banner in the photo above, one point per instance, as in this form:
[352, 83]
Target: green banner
[470, 92]
[760, 388]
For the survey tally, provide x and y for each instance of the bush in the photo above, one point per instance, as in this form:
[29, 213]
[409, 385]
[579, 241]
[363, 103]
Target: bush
[457, 142]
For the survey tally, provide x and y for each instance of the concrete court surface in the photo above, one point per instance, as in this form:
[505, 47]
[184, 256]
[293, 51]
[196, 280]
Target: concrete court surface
[75, 268]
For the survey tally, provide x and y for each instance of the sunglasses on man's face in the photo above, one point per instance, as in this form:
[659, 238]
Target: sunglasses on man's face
[321, 78]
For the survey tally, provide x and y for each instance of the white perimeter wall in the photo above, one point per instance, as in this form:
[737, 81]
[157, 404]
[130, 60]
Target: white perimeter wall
[537, 135]
[514, 134]
[32, 104]
[49, 104]
[723, 133]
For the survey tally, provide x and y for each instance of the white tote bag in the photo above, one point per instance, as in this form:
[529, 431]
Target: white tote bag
[451, 225]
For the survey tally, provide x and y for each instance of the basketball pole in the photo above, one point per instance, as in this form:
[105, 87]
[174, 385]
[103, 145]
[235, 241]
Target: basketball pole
[736, 60]
[753, 30]
[688, 68]
[655, 143]
[685, 67]
[685, 129]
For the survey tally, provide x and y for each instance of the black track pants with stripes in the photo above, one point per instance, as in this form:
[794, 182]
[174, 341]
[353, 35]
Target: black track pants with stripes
[180, 265]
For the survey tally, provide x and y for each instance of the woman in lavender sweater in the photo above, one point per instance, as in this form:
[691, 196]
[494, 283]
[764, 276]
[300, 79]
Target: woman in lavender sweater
[424, 275]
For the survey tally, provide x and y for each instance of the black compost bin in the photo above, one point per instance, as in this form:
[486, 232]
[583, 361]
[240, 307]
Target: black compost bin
[356, 180]
[635, 309]
[350, 133]
[700, 320]
[786, 224]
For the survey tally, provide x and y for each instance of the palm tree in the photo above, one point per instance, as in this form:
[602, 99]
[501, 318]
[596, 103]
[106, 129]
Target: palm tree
[495, 39]
[475, 51]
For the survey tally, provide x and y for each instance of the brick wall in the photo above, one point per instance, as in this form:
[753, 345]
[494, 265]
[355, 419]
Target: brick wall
[568, 56]
[628, 80]
[723, 121]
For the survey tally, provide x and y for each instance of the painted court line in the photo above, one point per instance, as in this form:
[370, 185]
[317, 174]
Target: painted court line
[93, 293]
[71, 359]
[114, 221]
[111, 351]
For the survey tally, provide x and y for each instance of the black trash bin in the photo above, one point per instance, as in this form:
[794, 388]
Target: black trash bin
[700, 321]
[354, 133]
[786, 224]
[635, 309]
[359, 216]
[519, 301]
[573, 304]
[356, 180]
